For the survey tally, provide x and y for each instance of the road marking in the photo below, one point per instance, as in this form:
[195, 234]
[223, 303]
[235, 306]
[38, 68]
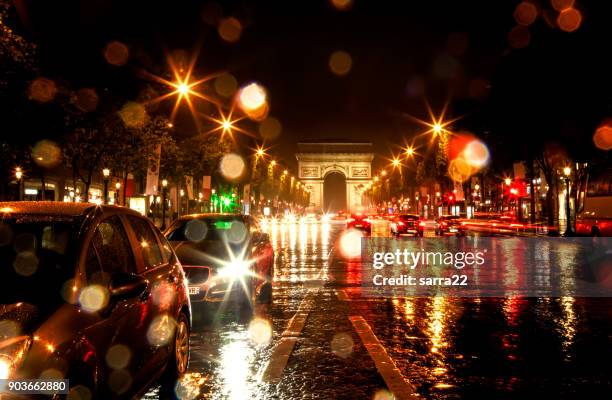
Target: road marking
[283, 349]
[396, 383]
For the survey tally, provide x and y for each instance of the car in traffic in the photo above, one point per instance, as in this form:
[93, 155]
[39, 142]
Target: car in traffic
[93, 294]
[225, 256]
[359, 221]
[407, 224]
[450, 224]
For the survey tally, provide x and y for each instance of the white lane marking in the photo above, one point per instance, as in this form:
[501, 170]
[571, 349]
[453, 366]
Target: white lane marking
[284, 347]
[396, 383]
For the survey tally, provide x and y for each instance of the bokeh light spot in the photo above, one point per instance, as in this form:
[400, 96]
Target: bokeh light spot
[26, 263]
[252, 97]
[120, 381]
[232, 166]
[118, 356]
[383, 395]
[342, 5]
[260, 331]
[116, 53]
[79, 392]
[196, 230]
[569, 20]
[270, 128]
[230, 29]
[161, 330]
[476, 154]
[133, 114]
[561, 5]
[237, 232]
[342, 345]
[603, 136]
[350, 243]
[519, 37]
[93, 298]
[42, 90]
[47, 154]
[226, 85]
[340, 63]
[86, 99]
[525, 13]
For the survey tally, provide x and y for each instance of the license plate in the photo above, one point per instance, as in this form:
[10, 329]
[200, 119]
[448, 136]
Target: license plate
[194, 290]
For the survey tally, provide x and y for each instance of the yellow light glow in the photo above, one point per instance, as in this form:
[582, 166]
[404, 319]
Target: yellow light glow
[409, 151]
[396, 162]
[507, 181]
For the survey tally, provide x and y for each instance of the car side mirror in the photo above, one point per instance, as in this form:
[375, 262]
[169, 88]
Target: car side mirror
[124, 286]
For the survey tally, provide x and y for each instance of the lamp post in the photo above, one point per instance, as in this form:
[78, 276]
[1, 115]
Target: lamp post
[567, 171]
[117, 187]
[164, 186]
[19, 176]
[106, 174]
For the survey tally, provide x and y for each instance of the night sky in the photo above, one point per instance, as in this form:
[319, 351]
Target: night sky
[557, 87]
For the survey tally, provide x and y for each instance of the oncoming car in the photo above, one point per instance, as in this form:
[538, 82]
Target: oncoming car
[93, 294]
[225, 256]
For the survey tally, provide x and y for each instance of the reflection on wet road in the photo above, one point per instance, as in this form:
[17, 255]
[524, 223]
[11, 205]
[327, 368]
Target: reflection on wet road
[443, 347]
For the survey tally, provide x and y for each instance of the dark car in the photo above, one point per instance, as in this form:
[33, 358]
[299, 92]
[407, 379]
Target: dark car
[359, 221]
[450, 224]
[93, 294]
[224, 256]
[407, 224]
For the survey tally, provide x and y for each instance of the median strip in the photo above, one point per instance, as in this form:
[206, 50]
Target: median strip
[396, 383]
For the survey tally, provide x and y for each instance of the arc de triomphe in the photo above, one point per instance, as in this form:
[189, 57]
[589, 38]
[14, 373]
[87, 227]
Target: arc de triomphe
[316, 160]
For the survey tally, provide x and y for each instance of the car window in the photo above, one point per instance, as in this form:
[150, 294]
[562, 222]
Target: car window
[113, 248]
[166, 248]
[151, 254]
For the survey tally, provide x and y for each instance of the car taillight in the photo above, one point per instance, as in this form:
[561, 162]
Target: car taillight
[400, 223]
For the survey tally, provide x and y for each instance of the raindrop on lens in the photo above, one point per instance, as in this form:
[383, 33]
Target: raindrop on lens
[42, 90]
[118, 356]
[161, 330]
[120, 381]
[47, 154]
[79, 392]
[195, 230]
[232, 166]
[260, 331]
[270, 128]
[133, 115]
[8, 329]
[340, 63]
[116, 53]
[26, 263]
[342, 345]
[237, 232]
[93, 298]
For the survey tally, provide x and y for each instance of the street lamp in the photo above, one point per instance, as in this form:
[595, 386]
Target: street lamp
[410, 151]
[567, 171]
[106, 174]
[508, 181]
[19, 176]
[164, 186]
[117, 187]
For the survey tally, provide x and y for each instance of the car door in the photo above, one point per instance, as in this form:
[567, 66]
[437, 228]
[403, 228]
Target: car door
[120, 337]
[162, 305]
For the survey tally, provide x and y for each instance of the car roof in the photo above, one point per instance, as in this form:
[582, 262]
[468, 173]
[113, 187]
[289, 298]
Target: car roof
[209, 215]
[57, 208]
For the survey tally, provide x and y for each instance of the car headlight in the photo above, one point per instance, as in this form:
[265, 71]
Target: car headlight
[11, 356]
[6, 366]
[235, 269]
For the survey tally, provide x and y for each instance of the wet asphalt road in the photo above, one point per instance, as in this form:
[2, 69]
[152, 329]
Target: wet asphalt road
[445, 348]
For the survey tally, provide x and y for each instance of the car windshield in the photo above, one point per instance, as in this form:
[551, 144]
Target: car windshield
[36, 259]
[226, 228]
[408, 217]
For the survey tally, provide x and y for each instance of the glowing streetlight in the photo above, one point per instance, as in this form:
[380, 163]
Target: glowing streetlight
[285, 172]
[19, 176]
[437, 128]
[106, 174]
[567, 171]
[410, 151]
[376, 178]
[164, 186]
[508, 181]
[260, 152]
[383, 173]
[395, 162]
[273, 163]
